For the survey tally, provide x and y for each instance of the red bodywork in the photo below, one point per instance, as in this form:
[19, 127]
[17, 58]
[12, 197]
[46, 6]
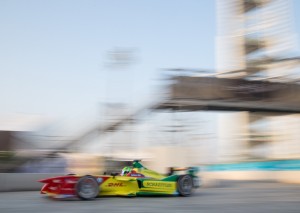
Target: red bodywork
[63, 186]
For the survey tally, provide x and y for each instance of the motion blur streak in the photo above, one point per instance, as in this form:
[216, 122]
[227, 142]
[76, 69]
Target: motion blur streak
[89, 86]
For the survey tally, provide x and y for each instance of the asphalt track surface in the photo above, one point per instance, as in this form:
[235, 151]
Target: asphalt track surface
[244, 197]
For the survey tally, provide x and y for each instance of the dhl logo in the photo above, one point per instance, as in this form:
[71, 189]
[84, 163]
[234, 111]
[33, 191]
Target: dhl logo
[115, 185]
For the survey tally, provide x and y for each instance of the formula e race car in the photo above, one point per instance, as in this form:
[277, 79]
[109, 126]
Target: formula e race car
[132, 181]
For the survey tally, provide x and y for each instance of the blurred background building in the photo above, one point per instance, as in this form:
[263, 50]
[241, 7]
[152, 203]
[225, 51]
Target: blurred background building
[256, 40]
[245, 111]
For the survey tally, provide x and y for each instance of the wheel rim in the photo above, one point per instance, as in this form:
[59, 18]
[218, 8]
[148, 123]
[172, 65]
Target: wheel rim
[88, 188]
[186, 185]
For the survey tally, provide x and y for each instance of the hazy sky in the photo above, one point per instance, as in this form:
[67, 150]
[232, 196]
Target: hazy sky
[53, 53]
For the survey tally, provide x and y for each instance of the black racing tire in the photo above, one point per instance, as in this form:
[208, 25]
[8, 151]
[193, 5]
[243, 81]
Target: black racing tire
[87, 188]
[185, 185]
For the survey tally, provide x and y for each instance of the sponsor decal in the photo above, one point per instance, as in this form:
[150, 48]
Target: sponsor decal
[157, 184]
[136, 175]
[99, 180]
[115, 185]
[53, 188]
[67, 189]
[70, 181]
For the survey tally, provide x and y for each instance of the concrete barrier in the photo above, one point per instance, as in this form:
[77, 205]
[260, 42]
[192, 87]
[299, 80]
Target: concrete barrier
[213, 178]
[288, 176]
[22, 181]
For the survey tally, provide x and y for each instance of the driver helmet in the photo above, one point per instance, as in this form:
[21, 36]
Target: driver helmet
[126, 170]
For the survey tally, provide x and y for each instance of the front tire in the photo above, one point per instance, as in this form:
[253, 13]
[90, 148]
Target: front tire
[185, 185]
[87, 188]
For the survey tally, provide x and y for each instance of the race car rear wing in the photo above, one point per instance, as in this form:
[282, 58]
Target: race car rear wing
[190, 170]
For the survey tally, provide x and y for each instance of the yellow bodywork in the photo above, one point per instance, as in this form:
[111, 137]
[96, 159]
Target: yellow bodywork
[119, 185]
[128, 186]
[149, 173]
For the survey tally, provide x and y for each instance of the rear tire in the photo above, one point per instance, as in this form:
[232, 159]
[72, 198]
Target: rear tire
[87, 188]
[185, 185]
